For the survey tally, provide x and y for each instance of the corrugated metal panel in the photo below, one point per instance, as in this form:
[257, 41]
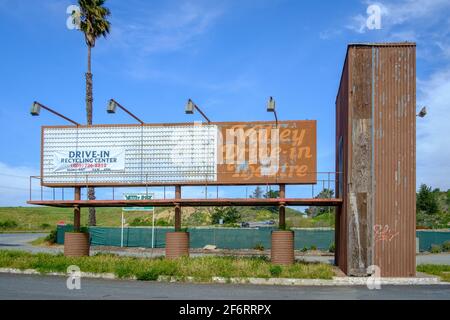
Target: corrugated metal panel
[375, 115]
[394, 141]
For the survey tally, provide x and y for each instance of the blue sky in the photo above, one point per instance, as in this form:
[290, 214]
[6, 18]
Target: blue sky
[228, 56]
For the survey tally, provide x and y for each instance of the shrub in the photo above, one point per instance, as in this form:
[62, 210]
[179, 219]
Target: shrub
[275, 270]
[304, 249]
[140, 222]
[446, 246]
[162, 223]
[148, 275]
[84, 229]
[435, 248]
[259, 247]
[8, 224]
[52, 236]
[148, 222]
[227, 214]
[313, 247]
[332, 248]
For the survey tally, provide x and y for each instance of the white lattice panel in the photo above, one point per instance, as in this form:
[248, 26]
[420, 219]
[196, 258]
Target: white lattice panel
[153, 154]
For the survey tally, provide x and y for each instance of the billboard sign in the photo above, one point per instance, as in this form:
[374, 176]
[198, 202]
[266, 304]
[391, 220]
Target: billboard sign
[221, 153]
[89, 160]
[138, 196]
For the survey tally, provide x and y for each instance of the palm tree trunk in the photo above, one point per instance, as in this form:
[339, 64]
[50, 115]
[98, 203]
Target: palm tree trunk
[89, 100]
[89, 97]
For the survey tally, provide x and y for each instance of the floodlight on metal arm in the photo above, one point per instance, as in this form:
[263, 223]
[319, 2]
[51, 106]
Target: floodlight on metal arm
[422, 113]
[190, 106]
[271, 108]
[36, 110]
[112, 106]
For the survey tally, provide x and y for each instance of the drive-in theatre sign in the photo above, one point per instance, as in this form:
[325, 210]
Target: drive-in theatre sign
[222, 153]
[374, 179]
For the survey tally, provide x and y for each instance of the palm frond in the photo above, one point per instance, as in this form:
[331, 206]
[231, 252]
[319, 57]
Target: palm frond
[93, 21]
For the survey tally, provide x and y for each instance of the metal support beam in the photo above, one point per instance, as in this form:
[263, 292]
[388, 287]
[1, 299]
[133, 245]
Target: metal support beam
[282, 208]
[204, 115]
[126, 110]
[40, 105]
[177, 209]
[242, 202]
[77, 211]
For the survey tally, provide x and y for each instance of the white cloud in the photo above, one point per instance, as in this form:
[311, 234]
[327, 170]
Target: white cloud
[444, 47]
[401, 36]
[402, 12]
[330, 33]
[14, 184]
[179, 27]
[171, 30]
[358, 23]
[433, 131]
[427, 23]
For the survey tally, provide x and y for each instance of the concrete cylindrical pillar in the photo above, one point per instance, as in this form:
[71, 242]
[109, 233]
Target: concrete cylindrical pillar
[177, 244]
[282, 252]
[76, 244]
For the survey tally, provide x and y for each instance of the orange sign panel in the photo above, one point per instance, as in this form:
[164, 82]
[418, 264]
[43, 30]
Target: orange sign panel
[260, 153]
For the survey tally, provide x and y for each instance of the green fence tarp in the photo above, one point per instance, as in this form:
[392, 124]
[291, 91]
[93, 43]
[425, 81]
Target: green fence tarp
[428, 237]
[228, 238]
[60, 230]
[225, 238]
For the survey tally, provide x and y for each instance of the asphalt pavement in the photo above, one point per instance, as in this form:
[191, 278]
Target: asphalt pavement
[17, 287]
[14, 286]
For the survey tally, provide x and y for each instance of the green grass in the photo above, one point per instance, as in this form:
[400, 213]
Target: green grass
[39, 241]
[252, 214]
[201, 268]
[440, 270]
[296, 220]
[46, 218]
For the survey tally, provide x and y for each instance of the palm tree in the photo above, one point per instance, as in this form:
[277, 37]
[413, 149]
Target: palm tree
[94, 24]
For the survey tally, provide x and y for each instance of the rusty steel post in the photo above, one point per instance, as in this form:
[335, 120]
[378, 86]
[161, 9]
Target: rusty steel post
[177, 209]
[282, 208]
[177, 243]
[77, 211]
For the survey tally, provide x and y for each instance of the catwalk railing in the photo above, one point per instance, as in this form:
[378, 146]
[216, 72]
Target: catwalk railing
[207, 194]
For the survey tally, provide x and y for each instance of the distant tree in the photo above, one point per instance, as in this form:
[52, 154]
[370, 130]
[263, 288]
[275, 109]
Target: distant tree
[315, 211]
[257, 194]
[426, 200]
[231, 215]
[448, 199]
[216, 215]
[228, 214]
[272, 194]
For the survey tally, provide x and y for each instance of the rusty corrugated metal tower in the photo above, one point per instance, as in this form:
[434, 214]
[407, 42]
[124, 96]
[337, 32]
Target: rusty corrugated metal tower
[376, 153]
